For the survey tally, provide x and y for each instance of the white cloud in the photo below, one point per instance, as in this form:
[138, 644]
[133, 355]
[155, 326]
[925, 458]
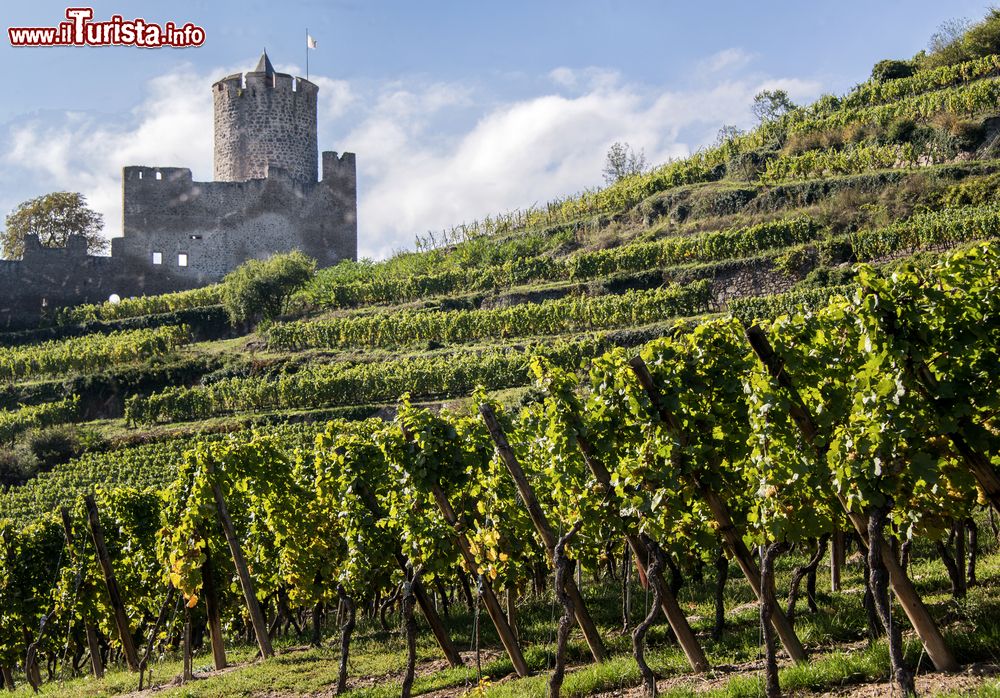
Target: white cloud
[430, 154]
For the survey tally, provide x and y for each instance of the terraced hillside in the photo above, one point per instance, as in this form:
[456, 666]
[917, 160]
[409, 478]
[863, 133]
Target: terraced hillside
[458, 427]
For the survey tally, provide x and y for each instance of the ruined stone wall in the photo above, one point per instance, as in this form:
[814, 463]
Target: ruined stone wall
[215, 226]
[264, 120]
[49, 278]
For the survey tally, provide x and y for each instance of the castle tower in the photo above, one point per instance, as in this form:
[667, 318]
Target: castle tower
[265, 119]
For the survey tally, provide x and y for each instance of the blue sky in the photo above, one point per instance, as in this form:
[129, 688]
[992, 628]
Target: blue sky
[455, 109]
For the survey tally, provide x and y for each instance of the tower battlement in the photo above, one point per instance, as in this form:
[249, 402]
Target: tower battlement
[264, 118]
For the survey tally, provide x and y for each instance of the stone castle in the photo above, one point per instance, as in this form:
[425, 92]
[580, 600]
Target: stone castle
[180, 234]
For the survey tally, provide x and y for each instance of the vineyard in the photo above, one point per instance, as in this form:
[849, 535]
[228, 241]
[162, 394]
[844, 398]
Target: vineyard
[725, 427]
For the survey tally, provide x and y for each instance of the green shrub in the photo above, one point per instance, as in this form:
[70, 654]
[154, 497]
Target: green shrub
[825, 276]
[958, 41]
[900, 130]
[54, 445]
[891, 69]
[983, 39]
[259, 290]
[17, 465]
[797, 261]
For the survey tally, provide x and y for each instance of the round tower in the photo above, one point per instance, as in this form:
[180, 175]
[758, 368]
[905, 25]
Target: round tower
[265, 119]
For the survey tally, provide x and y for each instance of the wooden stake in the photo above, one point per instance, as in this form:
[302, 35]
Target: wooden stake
[246, 582]
[96, 663]
[721, 513]
[8, 677]
[489, 598]
[836, 559]
[934, 643]
[545, 532]
[668, 602]
[188, 670]
[212, 610]
[114, 595]
[512, 612]
[430, 614]
[164, 609]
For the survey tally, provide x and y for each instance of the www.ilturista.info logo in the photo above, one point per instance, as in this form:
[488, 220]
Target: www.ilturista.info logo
[81, 31]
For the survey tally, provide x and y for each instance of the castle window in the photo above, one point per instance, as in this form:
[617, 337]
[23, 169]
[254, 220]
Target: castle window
[159, 175]
[140, 174]
[182, 259]
[157, 258]
[196, 237]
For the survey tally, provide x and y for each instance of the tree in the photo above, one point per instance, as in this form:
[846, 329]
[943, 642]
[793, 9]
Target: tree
[983, 38]
[623, 162]
[54, 218]
[946, 46]
[727, 134]
[771, 105]
[891, 69]
[259, 290]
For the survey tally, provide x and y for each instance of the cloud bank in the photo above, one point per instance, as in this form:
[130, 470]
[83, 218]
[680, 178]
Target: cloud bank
[430, 154]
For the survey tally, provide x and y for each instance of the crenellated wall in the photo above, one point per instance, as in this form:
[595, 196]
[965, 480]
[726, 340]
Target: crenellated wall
[218, 225]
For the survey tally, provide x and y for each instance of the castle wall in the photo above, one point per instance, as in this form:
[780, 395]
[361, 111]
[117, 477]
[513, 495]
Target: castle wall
[49, 278]
[218, 225]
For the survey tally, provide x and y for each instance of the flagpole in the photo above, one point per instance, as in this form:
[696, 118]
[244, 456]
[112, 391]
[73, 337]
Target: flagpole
[307, 53]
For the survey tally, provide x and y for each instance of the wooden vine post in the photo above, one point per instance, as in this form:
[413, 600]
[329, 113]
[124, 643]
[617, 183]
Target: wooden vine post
[211, 595]
[640, 551]
[187, 672]
[96, 662]
[430, 613]
[114, 595]
[549, 539]
[493, 607]
[723, 518]
[934, 643]
[239, 561]
[8, 678]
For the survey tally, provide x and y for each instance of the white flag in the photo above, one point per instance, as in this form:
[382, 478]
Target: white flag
[310, 42]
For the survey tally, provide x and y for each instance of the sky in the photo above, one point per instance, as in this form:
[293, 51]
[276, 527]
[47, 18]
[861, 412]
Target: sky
[456, 109]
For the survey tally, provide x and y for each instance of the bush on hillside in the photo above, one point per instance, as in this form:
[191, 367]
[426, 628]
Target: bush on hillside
[259, 290]
[900, 131]
[890, 69]
[17, 465]
[54, 445]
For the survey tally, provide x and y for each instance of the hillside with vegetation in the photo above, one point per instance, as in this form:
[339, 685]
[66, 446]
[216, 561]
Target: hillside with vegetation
[727, 426]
